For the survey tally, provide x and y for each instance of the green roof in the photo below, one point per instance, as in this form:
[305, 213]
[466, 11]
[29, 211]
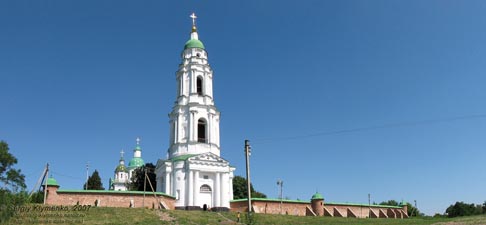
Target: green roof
[194, 43]
[121, 168]
[181, 157]
[317, 196]
[307, 202]
[114, 192]
[271, 200]
[136, 162]
[364, 205]
[52, 182]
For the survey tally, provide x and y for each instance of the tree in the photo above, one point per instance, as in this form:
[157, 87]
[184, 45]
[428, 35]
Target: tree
[37, 197]
[240, 189]
[412, 211]
[138, 177]
[94, 182]
[8, 175]
[463, 209]
[390, 203]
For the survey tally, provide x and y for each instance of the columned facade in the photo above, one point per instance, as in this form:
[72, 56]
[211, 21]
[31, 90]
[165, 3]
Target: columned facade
[194, 172]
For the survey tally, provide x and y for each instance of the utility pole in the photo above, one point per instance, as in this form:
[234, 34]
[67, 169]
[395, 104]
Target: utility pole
[280, 184]
[144, 185]
[369, 205]
[247, 155]
[415, 210]
[87, 175]
[45, 185]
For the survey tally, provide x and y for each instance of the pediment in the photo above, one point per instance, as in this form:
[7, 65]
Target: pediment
[208, 158]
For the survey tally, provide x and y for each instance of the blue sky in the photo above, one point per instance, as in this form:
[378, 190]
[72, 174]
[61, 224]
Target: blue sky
[80, 80]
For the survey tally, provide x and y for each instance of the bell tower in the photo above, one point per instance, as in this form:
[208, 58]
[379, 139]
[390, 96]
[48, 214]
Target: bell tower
[194, 120]
[194, 172]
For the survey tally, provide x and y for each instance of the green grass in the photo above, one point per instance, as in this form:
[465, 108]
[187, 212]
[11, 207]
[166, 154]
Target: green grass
[102, 215]
[120, 216]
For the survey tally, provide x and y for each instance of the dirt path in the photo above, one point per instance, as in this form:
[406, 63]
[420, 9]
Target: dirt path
[164, 216]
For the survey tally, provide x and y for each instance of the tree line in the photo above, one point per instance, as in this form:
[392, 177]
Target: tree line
[465, 209]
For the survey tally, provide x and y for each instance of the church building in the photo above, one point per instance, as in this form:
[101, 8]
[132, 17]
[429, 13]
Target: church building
[194, 172]
[123, 174]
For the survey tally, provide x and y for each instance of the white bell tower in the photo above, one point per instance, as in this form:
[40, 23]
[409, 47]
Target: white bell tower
[194, 173]
[194, 120]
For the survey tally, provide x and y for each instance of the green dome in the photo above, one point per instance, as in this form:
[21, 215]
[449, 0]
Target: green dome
[121, 168]
[136, 162]
[317, 196]
[52, 182]
[194, 43]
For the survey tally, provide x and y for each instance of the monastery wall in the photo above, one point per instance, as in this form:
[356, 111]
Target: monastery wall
[108, 198]
[272, 207]
[303, 208]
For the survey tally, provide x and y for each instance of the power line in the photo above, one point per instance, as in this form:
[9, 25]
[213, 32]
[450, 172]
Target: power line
[63, 175]
[361, 129]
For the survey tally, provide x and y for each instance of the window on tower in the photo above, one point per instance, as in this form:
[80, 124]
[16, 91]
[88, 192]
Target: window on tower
[201, 131]
[199, 84]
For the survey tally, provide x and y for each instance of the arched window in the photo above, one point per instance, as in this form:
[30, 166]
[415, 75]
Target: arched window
[205, 188]
[199, 86]
[201, 131]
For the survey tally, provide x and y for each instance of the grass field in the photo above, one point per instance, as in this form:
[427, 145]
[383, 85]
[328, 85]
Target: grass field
[120, 216]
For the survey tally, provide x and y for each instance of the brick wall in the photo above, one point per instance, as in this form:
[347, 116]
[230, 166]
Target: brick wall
[298, 208]
[107, 198]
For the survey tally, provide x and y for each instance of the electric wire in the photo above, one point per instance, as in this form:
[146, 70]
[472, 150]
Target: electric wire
[361, 129]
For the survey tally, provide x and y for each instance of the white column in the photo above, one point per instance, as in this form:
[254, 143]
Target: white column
[181, 81]
[224, 190]
[217, 191]
[190, 189]
[167, 183]
[196, 187]
[193, 123]
[176, 129]
[190, 129]
[175, 184]
[210, 128]
[193, 82]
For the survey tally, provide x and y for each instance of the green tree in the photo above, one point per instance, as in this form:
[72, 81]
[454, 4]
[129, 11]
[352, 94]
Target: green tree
[240, 189]
[94, 182]
[390, 203]
[138, 175]
[9, 176]
[463, 209]
[12, 192]
[37, 197]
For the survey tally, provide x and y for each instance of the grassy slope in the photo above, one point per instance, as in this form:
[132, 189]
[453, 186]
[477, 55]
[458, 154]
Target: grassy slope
[121, 216]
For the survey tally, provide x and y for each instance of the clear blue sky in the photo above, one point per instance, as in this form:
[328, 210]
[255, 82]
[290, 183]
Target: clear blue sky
[80, 80]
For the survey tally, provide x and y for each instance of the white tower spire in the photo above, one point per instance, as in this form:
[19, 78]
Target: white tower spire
[194, 34]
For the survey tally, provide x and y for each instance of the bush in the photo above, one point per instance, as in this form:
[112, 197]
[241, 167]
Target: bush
[8, 200]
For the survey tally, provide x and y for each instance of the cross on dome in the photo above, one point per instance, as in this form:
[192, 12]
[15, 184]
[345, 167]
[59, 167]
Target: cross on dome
[194, 17]
[138, 141]
[121, 153]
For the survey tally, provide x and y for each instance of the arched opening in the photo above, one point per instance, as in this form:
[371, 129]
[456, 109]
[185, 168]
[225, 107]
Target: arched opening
[205, 189]
[201, 131]
[199, 86]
